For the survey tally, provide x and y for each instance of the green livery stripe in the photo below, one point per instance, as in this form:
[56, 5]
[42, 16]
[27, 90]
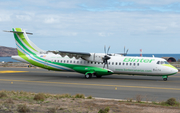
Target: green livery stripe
[78, 68]
[24, 39]
[168, 65]
[22, 55]
[23, 46]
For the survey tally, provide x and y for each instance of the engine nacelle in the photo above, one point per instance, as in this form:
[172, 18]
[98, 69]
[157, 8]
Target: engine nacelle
[95, 57]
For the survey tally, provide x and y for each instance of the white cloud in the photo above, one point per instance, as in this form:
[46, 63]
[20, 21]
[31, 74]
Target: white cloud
[50, 20]
[59, 22]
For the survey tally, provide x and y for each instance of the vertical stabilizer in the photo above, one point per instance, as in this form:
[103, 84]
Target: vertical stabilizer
[24, 45]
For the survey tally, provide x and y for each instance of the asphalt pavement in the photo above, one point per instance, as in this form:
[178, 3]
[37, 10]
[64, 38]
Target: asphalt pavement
[151, 88]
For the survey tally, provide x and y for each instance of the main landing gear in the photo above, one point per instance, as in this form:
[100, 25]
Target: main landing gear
[89, 75]
[165, 78]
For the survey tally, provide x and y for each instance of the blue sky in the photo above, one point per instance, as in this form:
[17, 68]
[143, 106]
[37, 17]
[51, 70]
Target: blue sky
[86, 26]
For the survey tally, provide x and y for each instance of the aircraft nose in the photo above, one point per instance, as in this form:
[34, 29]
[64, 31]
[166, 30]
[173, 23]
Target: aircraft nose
[174, 70]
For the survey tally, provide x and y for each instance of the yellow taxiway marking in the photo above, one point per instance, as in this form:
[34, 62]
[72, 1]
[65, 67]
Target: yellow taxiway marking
[82, 84]
[8, 71]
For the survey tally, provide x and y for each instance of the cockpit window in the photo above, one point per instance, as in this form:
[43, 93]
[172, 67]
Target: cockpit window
[162, 62]
[166, 62]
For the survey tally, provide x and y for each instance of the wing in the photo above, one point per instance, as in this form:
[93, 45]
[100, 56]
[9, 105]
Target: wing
[77, 55]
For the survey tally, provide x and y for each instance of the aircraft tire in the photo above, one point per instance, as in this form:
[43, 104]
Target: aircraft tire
[165, 79]
[87, 76]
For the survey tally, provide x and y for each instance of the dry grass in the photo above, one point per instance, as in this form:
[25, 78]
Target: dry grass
[23, 108]
[3, 95]
[21, 101]
[139, 98]
[39, 97]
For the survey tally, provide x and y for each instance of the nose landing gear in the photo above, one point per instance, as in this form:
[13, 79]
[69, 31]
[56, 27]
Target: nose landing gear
[165, 78]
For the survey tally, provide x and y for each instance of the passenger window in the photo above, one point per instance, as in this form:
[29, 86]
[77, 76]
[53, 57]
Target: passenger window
[84, 62]
[134, 64]
[94, 62]
[77, 61]
[64, 61]
[54, 60]
[67, 61]
[119, 63]
[61, 61]
[116, 63]
[130, 64]
[74, 62]
[98, 62]
[88, 62]
[112, 63]
[109, 63]
[70, 61]
[80, 62]
[158, 62]
[123, 63]
[126, 64]
[137, 64]
[91, 62]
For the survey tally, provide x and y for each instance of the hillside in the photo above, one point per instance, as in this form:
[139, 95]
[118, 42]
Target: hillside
[7, 51]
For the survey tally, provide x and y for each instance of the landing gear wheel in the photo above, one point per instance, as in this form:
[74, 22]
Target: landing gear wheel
[165, 79]
[88, 76]
[98, 76]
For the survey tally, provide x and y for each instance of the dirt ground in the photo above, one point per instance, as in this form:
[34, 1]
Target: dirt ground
[78, 105]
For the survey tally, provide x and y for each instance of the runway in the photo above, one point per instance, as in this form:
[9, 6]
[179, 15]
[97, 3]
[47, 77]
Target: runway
[112, 86]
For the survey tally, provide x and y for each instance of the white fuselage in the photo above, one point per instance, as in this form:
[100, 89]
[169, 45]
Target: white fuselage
[117, 64]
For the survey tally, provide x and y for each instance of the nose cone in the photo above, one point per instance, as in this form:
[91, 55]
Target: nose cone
[174, 70]
[171, 70]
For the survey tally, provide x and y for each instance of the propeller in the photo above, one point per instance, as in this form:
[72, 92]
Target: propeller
[126, 51]
[106, 57]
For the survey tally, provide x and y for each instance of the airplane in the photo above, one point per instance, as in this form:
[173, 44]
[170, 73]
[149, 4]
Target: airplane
[89, 64]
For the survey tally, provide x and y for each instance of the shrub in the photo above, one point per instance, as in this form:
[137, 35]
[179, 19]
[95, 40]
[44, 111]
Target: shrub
[39, 97]
[23, 108]
[89, 97]
[139, 98]
[171, 101]
[2, 95]
[106, 110]
[79, 96]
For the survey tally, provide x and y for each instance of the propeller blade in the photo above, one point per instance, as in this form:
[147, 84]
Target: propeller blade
[107, 64]
[105, 49]
[124, 49]
[126, 52]
[108, 49]
[104, 65]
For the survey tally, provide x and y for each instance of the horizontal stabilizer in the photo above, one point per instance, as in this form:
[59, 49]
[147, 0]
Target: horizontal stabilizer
[18, 32]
